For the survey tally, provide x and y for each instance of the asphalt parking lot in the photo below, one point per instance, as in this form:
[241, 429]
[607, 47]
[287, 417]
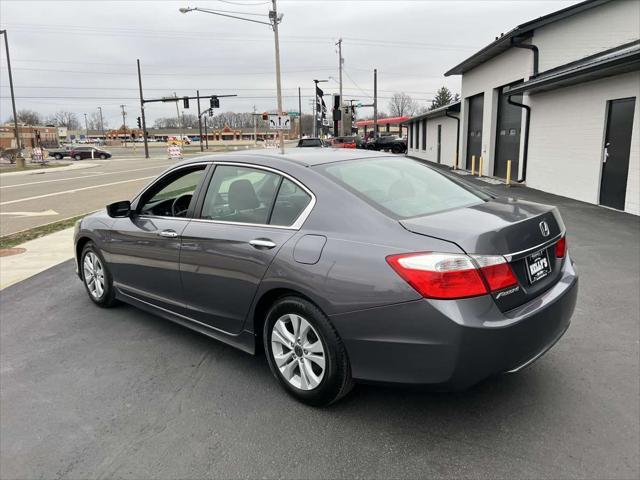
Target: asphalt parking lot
[91, 393]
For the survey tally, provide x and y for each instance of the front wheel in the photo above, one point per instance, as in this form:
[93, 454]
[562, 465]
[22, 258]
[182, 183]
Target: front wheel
[96, 277]
[57, 156]
[103, 156]
[305, 352]
[78, 157]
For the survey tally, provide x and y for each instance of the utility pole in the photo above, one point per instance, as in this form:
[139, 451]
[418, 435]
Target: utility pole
[178, 117]
[315, 114]
[255, 127]
[86, 127]
[299, 113]
[13, 98]
[375, 102]
[144, 121]
[340, 62]
[273, 15]
[101, 123]
[124, 124]
[199, 121]
[206, 133]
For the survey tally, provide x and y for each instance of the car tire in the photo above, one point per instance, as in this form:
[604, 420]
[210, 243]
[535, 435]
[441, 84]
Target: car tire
[323, 370]
[77, 157]
[57, 156]
[96, 277]
[103, 156]
[396, 149]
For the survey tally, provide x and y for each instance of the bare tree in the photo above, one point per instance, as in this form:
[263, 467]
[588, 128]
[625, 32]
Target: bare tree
[93, 122]
[402, 105]
[28, 117]
[64, 119]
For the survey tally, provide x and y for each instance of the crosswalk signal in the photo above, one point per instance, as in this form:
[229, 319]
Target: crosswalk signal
[139, 123]
[185, 102]
[214, 102]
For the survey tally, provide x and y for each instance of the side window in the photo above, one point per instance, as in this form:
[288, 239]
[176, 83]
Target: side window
[171, 196]
[240, 194]
[290, 203]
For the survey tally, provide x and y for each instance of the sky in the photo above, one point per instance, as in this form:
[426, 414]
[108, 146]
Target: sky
[78, 55]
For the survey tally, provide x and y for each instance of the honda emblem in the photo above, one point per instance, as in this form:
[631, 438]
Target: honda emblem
[544, 228]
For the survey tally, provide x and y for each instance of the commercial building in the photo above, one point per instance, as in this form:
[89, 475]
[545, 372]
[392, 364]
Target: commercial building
[558, 98]
[30, 136]
[433, 136]
[389, 125]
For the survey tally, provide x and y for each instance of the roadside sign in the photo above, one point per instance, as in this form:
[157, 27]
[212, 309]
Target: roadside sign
[37, 154]
[293, 114]
[174, 152]
[279, 122]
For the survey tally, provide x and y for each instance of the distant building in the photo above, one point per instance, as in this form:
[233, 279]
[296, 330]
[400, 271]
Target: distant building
[30, 136]
[558, 97]
[433, 135]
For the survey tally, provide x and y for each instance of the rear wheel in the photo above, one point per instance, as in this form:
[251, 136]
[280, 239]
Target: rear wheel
[305, 353]
[103, 156]
[396, 149]
[78, 157]
[96, 276]
[57, 156]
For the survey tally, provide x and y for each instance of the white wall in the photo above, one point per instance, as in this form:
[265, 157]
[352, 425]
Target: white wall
[567, 137]
[592, 31]
[448, 140]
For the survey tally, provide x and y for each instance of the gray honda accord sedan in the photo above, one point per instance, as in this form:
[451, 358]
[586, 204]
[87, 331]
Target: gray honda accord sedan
[344, 266]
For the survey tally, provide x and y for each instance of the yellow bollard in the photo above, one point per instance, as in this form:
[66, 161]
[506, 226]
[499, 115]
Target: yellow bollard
[481, 167]
[473, 165]
[508, 179]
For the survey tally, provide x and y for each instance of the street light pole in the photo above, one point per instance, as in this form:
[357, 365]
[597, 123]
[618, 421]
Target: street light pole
[13, 97]
[273, 15]
[144, 120]
[86, 126]
[274, 20]
[101, 123]
[200, 121]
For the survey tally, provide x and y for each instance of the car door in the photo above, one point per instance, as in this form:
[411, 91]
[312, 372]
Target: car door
[144, 249]
[246, 215]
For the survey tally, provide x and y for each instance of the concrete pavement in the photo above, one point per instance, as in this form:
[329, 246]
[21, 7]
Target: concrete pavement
[93, 393]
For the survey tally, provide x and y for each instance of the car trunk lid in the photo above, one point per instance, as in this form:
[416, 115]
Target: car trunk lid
[523, 232]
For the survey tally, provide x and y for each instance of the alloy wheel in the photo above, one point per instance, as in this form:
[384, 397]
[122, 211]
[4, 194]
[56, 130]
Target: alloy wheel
[93, 275]
[298, 351]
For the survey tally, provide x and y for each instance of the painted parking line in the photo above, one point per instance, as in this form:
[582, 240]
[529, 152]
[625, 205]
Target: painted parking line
[27, 199]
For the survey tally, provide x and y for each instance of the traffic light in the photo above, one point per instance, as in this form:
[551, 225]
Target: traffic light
[214, 102]
[265, 116]
[139, 122]
[185, 102]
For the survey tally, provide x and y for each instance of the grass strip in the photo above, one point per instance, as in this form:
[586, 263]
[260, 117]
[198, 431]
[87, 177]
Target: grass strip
[31, 167]
[11, 240]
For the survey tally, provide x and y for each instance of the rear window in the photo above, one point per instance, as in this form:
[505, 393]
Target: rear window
[401, 187]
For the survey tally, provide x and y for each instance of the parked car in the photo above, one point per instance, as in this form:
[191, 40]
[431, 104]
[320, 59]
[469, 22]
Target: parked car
[60, 152]
[351, 141]
[342, 268]
[79, 153]
[388, 143]
[310, 142]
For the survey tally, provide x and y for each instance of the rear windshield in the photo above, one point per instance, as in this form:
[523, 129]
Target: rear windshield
[401, 187]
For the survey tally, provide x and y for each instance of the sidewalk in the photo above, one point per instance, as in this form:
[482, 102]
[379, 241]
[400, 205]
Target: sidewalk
[38, 255]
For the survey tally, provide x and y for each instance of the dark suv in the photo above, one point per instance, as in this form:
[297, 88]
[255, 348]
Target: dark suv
[79, 153]
[388, 143]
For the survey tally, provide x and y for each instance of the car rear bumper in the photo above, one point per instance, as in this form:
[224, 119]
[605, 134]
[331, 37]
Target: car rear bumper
[455, 344]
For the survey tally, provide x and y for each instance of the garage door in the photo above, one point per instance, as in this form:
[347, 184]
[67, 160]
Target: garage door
[508, 130]
[474, 128]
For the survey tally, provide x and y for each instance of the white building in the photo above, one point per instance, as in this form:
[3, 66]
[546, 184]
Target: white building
[433, 136]
[559, 96]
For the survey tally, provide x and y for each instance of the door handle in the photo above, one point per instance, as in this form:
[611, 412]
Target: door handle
[260, 243]
[168, 233]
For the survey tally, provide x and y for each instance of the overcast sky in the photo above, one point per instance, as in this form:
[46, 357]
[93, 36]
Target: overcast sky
[82, 54]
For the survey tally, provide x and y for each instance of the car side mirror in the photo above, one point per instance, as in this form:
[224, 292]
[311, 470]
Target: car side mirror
[119, 209]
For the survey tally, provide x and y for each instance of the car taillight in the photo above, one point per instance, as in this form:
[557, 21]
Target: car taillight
[449, 276]
[561, 247]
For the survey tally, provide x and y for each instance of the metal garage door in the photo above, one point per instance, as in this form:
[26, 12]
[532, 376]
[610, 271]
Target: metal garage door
[508, 130]
[474, 128]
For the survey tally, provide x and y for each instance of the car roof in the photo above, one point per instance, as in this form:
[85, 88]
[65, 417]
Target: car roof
[305, 157]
